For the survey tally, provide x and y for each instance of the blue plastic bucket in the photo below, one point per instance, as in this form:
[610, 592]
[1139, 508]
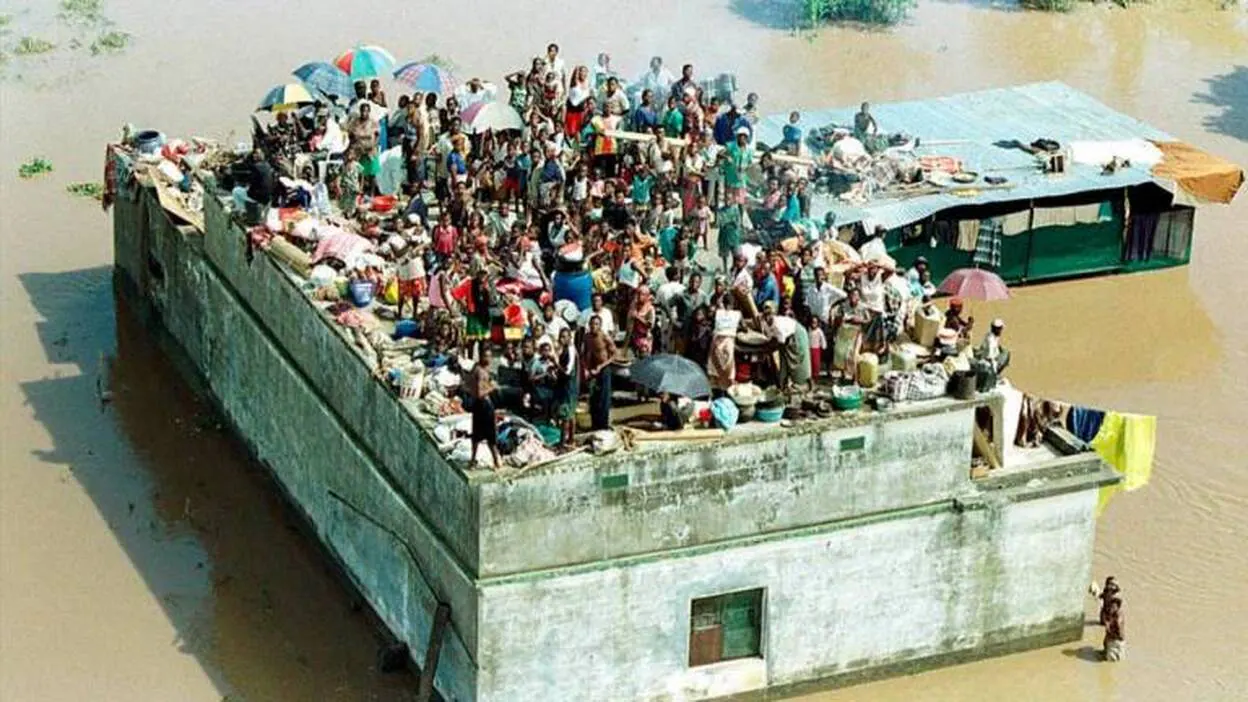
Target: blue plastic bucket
[578, 287]
[361, 292]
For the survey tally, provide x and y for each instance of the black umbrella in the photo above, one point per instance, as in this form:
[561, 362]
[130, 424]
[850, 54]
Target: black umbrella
[670, 373]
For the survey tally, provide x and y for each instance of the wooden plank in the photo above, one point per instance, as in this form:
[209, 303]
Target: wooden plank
[437, 632]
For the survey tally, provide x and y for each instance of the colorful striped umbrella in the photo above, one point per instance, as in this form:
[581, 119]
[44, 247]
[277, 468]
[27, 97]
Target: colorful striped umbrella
[497, 116]
[427, 78]
[326, 78]
[285, 97]
[365, 61]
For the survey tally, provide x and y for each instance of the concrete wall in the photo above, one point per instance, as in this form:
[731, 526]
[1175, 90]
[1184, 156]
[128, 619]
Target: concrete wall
[439, 492]
[402, 567]
[840, 599]
[725, 489]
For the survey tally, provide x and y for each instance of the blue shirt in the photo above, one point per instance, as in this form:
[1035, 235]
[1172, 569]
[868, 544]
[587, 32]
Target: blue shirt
[418, 207]
[645, 118]
[726, 127]
[767, 291]
[455, 163]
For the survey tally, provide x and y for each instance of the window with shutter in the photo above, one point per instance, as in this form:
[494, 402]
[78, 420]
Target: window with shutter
[726, 627]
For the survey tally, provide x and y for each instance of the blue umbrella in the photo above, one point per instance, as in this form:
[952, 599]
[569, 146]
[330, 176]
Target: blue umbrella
[427, 78]
[326, 78]
[670, 373]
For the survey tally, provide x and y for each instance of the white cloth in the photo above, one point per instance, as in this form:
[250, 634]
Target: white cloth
[1140, 152]
[874, 250]
[467, 97]
[608, 320]
[660, 82]
[785, 327]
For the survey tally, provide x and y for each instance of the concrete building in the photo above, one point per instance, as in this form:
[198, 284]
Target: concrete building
[838, 550]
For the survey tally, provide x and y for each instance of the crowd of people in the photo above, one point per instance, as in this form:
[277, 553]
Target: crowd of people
[622, 220]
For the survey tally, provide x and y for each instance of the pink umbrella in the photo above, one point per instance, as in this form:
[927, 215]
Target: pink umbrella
[975, 284]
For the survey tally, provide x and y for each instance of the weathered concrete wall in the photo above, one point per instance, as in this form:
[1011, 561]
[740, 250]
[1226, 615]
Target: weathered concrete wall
[439, 492]
[724, 490]
[397, 561]
[839, 599]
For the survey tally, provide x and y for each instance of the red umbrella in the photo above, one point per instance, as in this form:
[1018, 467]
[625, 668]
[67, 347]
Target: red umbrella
[975, 284]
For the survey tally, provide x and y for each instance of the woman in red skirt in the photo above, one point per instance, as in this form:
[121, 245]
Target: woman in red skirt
[578, 92]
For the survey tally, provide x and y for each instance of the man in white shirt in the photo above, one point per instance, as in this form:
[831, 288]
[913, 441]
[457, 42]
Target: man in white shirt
[822, 296]
[671, 289]
[657, 79]
[602, 313]
[474, 91]
[555, 64]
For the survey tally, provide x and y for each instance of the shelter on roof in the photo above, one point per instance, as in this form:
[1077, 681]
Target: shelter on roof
[980, 128]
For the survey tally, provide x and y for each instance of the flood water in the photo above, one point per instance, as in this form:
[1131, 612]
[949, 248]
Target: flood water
[143, 556]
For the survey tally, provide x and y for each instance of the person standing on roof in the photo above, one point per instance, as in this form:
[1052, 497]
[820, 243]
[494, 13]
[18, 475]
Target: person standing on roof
[740, 156]
[686, 83]
[728, 124]
[658, 79]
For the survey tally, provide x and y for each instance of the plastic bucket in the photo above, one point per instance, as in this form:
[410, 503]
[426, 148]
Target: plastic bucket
[148, 141]
[361, 292]
[576, 287]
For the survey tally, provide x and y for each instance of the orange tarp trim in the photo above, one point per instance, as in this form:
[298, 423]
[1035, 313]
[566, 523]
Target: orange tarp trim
[1199, 173]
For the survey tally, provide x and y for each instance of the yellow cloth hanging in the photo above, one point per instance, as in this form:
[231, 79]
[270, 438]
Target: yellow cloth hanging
[1127, 442]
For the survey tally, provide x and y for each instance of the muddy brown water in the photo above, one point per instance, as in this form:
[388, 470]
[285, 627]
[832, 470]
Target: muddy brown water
[144, 557]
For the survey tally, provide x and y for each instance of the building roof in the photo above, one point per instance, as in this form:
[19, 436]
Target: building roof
[1024, 113]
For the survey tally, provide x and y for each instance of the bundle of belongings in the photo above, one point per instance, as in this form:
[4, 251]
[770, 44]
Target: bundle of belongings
[929, 382]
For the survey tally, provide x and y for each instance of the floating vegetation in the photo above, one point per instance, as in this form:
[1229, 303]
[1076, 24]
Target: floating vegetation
[89, 12]
[5, 20]
[880, 12]
[1048, 5]
[34, 167]
[94, 191]
[32, 46]
[110, 42]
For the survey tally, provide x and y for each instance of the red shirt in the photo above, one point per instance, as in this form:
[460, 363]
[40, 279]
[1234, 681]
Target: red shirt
[444, 239]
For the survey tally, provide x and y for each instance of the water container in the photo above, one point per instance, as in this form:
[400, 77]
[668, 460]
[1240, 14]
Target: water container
[962, 385]
[361, 292]
[868, 370]
[148, 141]
[576, 287]
[926, 328]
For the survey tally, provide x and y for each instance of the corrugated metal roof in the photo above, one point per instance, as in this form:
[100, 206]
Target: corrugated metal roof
[1024, 113]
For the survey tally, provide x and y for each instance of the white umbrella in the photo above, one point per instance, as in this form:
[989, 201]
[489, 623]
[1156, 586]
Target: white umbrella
[497, 116]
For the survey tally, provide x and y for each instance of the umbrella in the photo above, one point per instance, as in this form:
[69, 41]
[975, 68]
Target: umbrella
[670, 373]
[326, 78]
[975, 284]
[285, 97]
[365, 61]
[491, 115]
[427, 78]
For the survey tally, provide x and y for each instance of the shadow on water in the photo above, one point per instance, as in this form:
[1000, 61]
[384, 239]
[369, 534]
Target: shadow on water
[1229, 92]
[1089, 654]
[253, 597]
